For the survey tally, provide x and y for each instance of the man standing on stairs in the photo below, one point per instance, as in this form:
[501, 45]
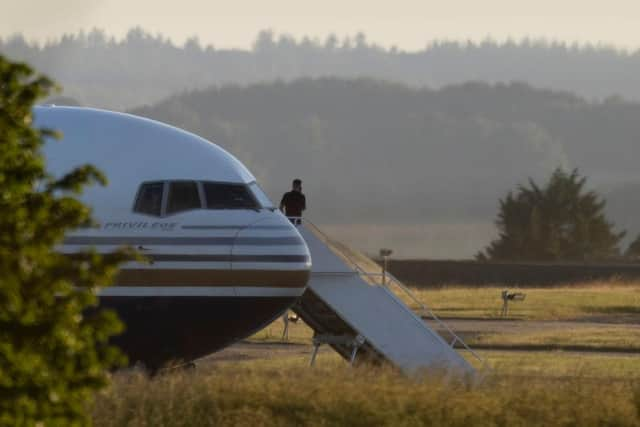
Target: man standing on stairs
[294, 202]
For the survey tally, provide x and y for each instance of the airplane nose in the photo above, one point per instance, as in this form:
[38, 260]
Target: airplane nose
[271, 257]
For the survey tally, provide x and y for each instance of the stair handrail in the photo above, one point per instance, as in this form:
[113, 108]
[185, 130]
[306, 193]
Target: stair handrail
[328, 239]
[429, 312]
[402, 286]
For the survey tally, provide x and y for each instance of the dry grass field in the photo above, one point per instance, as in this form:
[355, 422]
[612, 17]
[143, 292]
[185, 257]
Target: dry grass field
[265, 381]
[521, 390]
[609, 338]
[593, 301]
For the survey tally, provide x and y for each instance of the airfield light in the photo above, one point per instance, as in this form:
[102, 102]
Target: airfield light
[385, 253]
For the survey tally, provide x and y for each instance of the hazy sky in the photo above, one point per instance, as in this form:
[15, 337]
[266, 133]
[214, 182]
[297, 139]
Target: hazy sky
[408, 24]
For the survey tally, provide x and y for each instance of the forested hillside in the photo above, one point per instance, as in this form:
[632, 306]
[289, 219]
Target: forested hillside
[98, 70]
[373, 152]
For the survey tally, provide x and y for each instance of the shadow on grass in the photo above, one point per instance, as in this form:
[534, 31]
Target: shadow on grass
[614, 309]
[553, 347]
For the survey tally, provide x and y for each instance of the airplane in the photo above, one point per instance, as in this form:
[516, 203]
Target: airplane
[224, 261]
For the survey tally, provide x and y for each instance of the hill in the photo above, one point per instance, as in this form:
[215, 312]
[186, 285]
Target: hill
[372, 152]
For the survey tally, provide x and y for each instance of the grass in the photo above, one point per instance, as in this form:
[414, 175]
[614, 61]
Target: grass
[547, 364]
[560, 364]
[552, 390]
[580, 302]
[608, 338]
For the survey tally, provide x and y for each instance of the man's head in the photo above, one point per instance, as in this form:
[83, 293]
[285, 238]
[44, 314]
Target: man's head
[297, 185]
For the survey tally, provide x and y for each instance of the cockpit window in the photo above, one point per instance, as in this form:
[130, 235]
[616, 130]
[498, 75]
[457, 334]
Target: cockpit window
[162, 198]
[228, 196]
[183, 196]
[149, 199]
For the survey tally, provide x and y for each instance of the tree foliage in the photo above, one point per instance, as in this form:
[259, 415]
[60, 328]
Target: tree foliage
[633, 251]
[558, 222]
[142, 68]
[53, 352]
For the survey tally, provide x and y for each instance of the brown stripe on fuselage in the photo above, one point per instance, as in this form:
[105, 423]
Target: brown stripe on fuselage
[189, 277]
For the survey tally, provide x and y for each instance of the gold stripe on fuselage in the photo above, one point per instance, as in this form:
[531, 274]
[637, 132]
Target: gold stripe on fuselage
[201, 277]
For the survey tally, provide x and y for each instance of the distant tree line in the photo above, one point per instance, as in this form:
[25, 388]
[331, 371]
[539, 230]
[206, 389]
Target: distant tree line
[98, 70]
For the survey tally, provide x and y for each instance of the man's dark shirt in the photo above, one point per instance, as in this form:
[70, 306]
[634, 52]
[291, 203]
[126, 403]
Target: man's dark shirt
[294, 203]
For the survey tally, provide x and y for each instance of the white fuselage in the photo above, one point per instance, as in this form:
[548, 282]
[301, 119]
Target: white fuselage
[224, 262]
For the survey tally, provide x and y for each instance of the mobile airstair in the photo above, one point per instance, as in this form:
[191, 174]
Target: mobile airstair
[363, 319]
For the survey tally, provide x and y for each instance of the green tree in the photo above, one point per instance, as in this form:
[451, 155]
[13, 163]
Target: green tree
[53, 352]
[633, 251]
[560, 222]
